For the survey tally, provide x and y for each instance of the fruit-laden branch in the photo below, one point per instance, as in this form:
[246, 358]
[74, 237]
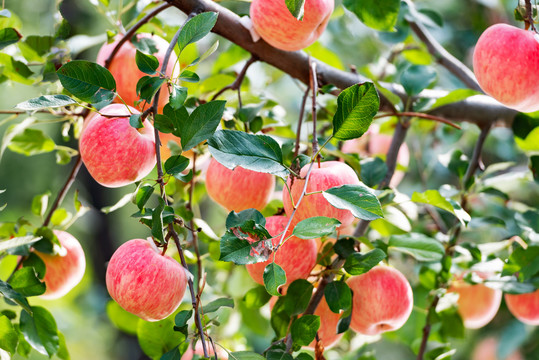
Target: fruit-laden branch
[481, 110]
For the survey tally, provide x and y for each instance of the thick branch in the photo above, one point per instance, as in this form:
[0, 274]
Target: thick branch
[479, 109]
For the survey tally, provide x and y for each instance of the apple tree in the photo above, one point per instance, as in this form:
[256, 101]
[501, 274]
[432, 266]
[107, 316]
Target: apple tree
[274, 179]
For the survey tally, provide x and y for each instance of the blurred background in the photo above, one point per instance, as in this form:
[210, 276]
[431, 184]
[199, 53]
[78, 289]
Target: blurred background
[84, 314]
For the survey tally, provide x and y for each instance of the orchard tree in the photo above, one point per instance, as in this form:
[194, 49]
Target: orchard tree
[308, 179]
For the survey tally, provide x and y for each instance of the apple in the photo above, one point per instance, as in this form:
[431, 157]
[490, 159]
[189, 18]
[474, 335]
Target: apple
[329, 174]
[145, 282]
[477, 304]
[373, 143]
[126, 73]
[115, 153]
[221, 354]
[65, 270]
[296, 256]
[505, 62]
[275, 24]
[238, 189]
[524, 307]
[382, 300]
[487, 349]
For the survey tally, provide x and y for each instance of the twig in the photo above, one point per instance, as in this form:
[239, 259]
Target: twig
[476, 156]
[419, 115]
[313, 83]
[391, 159]
[192, 224]
[300, 121]
[529, 16]
[427, 328]
[236, 85]
[129, 34]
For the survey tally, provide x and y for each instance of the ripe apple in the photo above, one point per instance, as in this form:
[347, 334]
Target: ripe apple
[328, 175]
[382, 301]
[524, 307]
[487, 349]
[126, 73]
[238, 189]
[477, 304]
[505, 62]
[275, 24]
[145, 282]
[221, 354]
[373, 143]
[296, 256]
[115, 153]
[65, 270]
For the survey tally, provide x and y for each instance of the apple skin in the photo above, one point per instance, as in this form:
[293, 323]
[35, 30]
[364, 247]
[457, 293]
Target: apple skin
[328, 175]
[144, 282]
[238, 189]
[373, 143]
[505, 62]
[525, 307]
[487, 349]
[188, 355]
[296, 256]
[63, 273]
[126, 73]
[115, 153]
[382, 300]
[276, 25]
[477, 304]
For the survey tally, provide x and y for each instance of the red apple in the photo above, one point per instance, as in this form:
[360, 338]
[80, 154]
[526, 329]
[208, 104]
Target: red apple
[296, 256]
[524, 307]
[238, 189]
[477, 304]
[382, 301]
[328, 175]
[221, 354]
[373, 143]
[126, 73]
[115, 153]
[505, 62]
[487, 349]
[275, 24]
[145, 282]
[65, 270]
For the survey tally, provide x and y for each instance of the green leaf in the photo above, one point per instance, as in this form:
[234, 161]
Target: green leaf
[88, 81]
[9, 337]
[18, 241]
[527, 260]
[147, 87]
[200, 125]
[246, 355]
[345, 247]
[135, 121]
[158, 338]
[143, 195]
[122, 319]
[177, 97]
[454, 96]
[31, 142]
[62, 353]
[434, 198]
[304, 356]
[176, 164]
[416, 78]
[338, 296]
[378, 14]
[46, 101]
[239, 250]
[344, 321]
[189, 76]
[35, 262]
[253, 152]
[9, 36]
[297, 297]
[278, 354]
[420, 246]
[196, 28]
[256, 297]
[356, 108]
[145, 44]
[534, 167]
[126, 199]
[217, 304]
[304, 329]
[15, 70]
[26, 282]
[274, 276]
[235, 219]
[148, 64]
[7, 291]
[296, 8]
[316, 227]
[180, 321]
[40, 330]
[359, 199]
[357, 264]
